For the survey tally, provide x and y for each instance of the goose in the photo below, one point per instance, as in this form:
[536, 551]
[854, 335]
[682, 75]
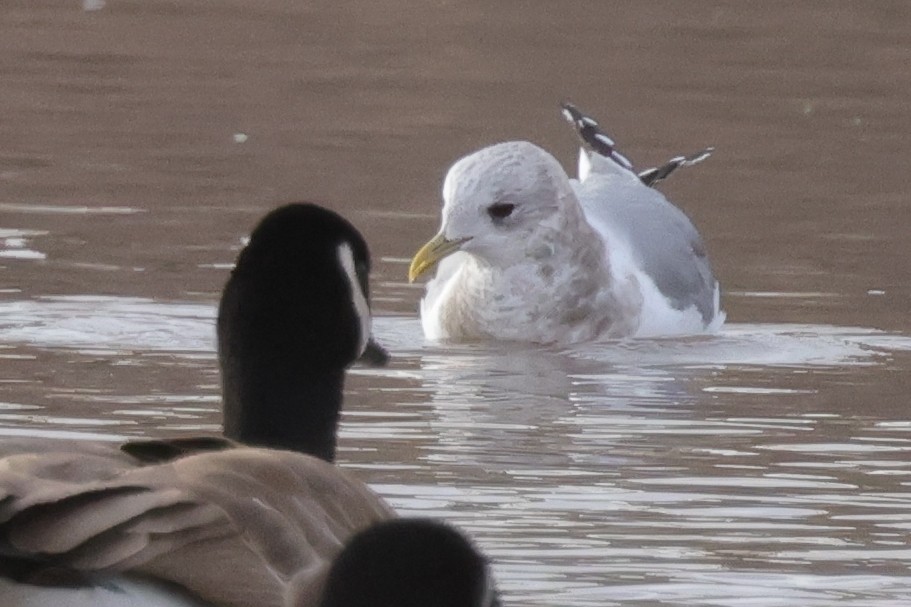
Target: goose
[524, 253]
[261, 516]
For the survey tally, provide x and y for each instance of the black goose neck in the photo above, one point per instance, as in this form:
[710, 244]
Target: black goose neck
[298, 412]
[288, 328]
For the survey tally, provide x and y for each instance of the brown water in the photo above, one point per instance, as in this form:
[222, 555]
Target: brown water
[769, 465]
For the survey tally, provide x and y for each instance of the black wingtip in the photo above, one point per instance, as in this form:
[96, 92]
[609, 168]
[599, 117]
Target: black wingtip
[598, 142]
[571, 113]
[651, 177]
[592, 136]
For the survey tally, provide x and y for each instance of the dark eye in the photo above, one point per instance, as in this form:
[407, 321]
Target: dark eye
[500, 210]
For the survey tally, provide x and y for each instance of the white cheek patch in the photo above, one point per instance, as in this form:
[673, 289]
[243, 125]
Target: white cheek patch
[359, 301]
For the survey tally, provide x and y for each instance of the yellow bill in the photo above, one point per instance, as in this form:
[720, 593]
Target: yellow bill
[431, 253]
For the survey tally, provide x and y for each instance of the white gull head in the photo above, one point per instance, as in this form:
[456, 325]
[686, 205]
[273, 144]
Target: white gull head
[509, 193]
[517, 258]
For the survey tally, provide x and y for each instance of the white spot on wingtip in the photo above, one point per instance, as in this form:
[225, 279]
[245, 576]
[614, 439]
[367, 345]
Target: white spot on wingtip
[604, 139]
[622, 160]
[698, 157]
[240, 137]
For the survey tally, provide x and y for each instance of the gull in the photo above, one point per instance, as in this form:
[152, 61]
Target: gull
[525, 253]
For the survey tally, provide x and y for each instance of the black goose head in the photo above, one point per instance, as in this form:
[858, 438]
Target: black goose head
[410, 563]
[293, 316]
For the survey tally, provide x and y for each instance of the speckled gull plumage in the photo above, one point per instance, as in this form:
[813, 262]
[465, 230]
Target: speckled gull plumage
[525, 253]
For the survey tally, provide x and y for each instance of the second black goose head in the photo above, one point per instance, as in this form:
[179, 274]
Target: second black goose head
[410, 563]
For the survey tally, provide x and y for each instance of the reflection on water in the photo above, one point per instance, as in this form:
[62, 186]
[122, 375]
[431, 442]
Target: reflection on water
[109, 324]
[130, 365]
[715, 470]
[99, 323]
[14, 244]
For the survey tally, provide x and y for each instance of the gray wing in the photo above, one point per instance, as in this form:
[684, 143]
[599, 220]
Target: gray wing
[664, 243]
